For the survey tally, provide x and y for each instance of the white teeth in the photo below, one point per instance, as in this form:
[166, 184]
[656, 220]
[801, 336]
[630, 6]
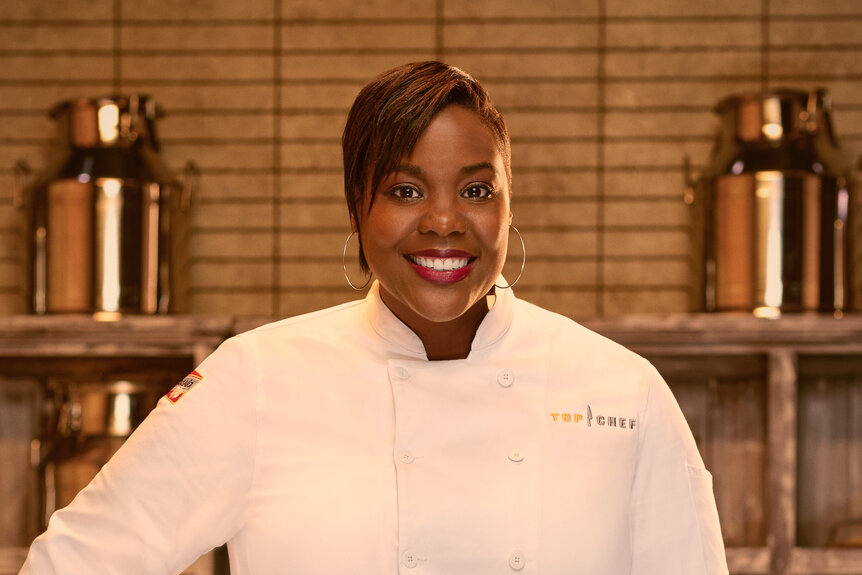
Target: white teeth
[441, 264]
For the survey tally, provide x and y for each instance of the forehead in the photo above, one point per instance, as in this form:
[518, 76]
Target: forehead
[456, 136]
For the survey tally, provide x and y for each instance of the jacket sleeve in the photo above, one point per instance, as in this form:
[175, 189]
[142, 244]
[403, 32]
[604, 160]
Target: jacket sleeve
[177, 487]
[675, 528]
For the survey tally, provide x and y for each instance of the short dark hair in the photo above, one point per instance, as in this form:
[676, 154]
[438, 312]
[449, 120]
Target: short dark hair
[389, 116]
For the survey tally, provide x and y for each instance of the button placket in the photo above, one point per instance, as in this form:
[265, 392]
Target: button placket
[407, 379]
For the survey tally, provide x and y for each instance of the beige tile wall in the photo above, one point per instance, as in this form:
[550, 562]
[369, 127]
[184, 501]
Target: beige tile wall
[604, 99]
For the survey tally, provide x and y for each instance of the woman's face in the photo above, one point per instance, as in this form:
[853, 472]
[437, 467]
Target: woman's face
[437, 233]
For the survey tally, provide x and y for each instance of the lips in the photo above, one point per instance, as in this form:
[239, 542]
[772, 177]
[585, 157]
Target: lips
[441, 266]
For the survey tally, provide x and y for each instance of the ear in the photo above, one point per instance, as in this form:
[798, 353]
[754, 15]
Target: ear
[511, 215]
[353, 226]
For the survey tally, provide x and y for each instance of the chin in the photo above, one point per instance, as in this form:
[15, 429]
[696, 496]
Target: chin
[441, 312]
[436, 304]
[444, 317]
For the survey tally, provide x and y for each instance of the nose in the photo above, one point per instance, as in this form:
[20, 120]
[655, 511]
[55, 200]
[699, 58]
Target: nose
[442, 216]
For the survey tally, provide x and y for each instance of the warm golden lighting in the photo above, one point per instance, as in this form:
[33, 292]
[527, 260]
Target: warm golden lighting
[773, 131]
[772, 128]
[120, 421]
[109, 122]
[110, 212]
[107, 316]
[767, 312]
[770, 217]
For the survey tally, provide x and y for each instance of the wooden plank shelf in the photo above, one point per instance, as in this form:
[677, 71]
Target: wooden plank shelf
[741, 332]
[83, 336]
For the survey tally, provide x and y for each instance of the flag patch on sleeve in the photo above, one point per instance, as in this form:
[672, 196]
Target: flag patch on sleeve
[184, 386]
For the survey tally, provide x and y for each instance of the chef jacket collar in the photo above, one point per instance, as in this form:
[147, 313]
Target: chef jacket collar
[494, 325]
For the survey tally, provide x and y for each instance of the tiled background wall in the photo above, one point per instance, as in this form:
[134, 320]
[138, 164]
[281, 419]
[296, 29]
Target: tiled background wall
[604, 99]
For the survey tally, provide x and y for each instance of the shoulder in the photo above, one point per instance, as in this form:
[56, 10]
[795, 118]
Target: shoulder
[297, 339]
[587, 364]
[308, 324]
[325, 316]
[570, 340]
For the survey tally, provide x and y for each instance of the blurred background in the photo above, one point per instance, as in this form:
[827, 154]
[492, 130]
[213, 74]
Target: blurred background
[605, 100]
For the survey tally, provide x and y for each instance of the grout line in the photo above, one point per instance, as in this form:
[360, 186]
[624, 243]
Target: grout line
[764, 45]
[276, 159]
[439, 32]
[514, 20]
[819, 76]
[601, 101]
[116, 49]
[439, 47]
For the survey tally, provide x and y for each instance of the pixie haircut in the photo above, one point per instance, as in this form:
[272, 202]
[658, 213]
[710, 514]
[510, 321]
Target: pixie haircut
[391, 113]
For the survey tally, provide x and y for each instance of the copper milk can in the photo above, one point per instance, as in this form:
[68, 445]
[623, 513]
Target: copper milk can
[104, 225]
[83, 425]
[776, 208]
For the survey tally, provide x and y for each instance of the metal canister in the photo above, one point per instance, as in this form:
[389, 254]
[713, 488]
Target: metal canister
[102, 217]
[84, 424]
[776, 208]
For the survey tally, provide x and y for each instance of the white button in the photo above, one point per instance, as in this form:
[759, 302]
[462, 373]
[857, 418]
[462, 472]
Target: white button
[409, 559]
[516, 455]
[506, 377]
[517, 561]
[401, 373]
[405, 456]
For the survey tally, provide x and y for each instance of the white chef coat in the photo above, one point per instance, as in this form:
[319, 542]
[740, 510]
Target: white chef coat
[328, 444]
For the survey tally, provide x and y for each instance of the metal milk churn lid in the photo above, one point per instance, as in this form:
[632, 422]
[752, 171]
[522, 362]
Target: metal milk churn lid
[103, 217]
[776, 208]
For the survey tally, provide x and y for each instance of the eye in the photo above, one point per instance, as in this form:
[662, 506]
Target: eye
[405, 193]
[478, 192]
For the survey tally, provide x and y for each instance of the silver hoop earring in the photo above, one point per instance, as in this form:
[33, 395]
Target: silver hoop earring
[344, 266]
[523, 260]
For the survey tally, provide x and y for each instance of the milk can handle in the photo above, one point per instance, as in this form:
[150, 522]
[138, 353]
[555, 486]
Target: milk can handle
[191, 180]
[21, 173]
[690, 183]
[810, 113]
[858, 183]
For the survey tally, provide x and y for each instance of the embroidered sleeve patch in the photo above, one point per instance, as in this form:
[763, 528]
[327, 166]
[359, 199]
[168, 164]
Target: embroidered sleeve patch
[184, 386]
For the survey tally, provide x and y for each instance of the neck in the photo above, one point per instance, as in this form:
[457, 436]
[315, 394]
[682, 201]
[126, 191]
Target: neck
[451, 339]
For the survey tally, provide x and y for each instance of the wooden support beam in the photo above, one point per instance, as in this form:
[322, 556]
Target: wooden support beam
[781, 410]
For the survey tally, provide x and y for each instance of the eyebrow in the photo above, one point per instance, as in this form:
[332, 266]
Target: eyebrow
[469, 169]
[472, 168]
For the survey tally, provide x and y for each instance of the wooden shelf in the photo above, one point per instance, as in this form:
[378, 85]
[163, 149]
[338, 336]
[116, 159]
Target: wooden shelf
[83, 336]
[33, 336]
[732, 333]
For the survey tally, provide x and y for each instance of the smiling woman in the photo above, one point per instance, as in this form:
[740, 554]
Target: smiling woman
[440, 424]
[427, 180]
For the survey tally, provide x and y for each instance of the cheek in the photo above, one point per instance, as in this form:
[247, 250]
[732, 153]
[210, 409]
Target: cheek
[380, 232]
[497, 230]
[504, 242]
[496, 239]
